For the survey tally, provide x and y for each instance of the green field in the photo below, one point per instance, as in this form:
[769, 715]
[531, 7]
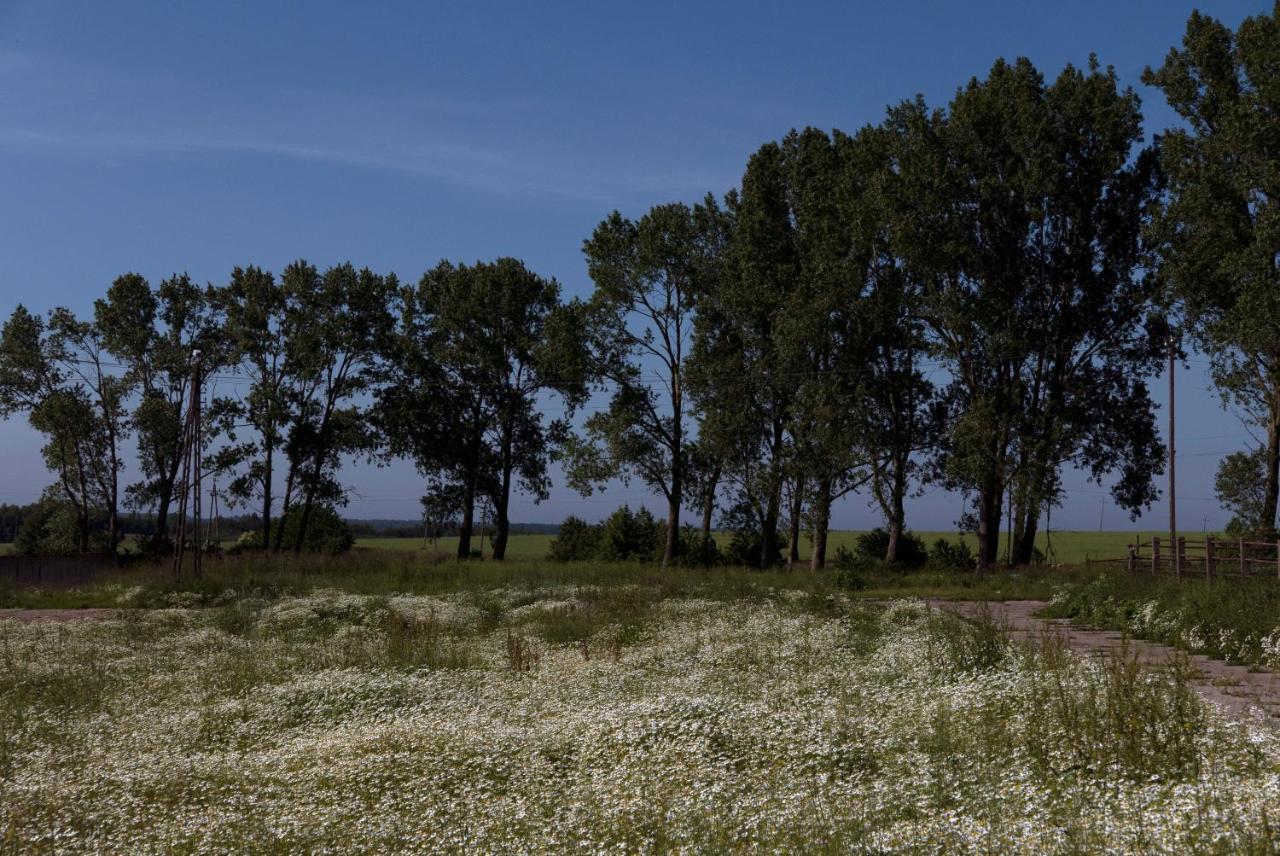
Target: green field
[1068, 547]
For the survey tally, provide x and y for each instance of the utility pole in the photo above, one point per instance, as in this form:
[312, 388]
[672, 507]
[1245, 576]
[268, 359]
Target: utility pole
[1173, 481]
[190, 477]
[215, 516]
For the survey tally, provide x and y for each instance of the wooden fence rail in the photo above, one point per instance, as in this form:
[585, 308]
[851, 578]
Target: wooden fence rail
[1207, 557]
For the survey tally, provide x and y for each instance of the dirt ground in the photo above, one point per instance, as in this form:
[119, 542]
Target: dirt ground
[1240, 692]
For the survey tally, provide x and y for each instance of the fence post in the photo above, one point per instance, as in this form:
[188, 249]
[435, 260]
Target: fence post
[1208, 558]
[1278, 557]
[1180, 554]
[1155, 555]
[1244, 566]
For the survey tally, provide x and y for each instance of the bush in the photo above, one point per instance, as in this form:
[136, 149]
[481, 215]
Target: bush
[52, 528]
[577, 541]
[628, 535]
[911, 550]
[746, 546]
[952, 557]
[693, 549]
[326, 531]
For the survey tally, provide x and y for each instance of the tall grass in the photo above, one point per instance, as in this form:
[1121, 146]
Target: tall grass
[724, 713]
[369, 571]
[1232, 619]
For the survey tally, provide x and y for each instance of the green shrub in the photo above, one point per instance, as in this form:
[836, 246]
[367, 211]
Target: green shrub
[326, 531]
[52, 528]
[746, 546]
[576, 541]
[951, 556]
[628, 535]
[693, 550]
[874, 544]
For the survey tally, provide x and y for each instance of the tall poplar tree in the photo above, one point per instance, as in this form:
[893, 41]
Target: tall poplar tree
[1020, 211]
[1219, 229]
[153, 333]
[649, 275]
[475, 349]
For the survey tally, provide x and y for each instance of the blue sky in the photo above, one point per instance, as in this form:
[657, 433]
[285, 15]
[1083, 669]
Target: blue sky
[162, 137]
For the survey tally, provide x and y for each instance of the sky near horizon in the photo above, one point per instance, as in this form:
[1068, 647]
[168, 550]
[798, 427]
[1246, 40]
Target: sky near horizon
[169, 137]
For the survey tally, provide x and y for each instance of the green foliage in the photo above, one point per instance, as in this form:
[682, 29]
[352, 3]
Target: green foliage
[152, 334]
[576, 541]
[874, 545]
[1236, 620]
[850, 570]
[954, 556]
[326, 531]
[52, 528]
[694, 549]
[1020, 209]
[628, 535]
[1241, 487]
[649, 275]
[747, 548]
[473, 348]
[1216, 232]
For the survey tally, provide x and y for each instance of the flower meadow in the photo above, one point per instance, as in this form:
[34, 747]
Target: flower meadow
[605, 719]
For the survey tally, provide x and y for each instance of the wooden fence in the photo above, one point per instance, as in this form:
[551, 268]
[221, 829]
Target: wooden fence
[1206, 558]
[53, 570]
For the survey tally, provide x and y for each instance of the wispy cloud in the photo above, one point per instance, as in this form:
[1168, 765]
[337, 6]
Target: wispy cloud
[54, 108]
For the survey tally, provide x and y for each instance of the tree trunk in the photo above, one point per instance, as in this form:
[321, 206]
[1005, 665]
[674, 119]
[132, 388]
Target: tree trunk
[502, 526]
[304, 521]
[268, 450]
[502, 502]
[797, 506]
[769, 527]
[113, 513]
[773, 507]
[709, 503]
[162, 523]
[673, 531]
[989, 524]
[1272, 485]
[821, 524]
[677, 474]
[286, 504]
[1024, 548]
[468, 517]
[895, 536]
[897, 513]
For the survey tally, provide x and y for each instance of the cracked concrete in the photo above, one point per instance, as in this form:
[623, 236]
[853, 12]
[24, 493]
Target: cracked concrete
[1236, 689]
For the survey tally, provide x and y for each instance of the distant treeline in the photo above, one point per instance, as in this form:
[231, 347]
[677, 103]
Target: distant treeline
[971, 296]
[13, 516]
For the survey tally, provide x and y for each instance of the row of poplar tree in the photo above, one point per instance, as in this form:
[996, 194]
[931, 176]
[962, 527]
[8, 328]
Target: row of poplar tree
[971, 297]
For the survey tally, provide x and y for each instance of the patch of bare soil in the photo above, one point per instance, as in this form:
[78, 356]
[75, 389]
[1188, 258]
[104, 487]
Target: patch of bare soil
[1240, 692]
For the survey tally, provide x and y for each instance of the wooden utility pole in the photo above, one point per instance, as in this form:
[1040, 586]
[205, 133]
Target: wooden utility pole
[1173, 482]
[215, 517]
[190, 477]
